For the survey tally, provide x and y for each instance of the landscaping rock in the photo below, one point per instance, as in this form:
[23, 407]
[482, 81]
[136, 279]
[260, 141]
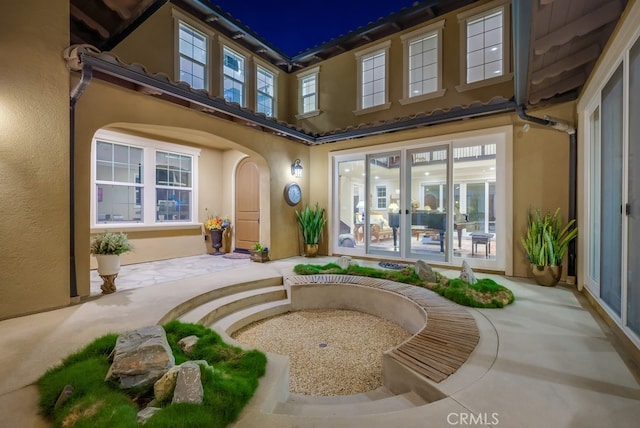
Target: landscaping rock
[343, 262]
[188, 385]
[425, 271]
[146, 413]
[187, 343]
[141, 357]
[63, 397]
[466, 274]
[164, 386]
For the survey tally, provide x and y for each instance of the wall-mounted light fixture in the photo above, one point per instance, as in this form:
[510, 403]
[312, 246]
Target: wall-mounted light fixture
[296, 168]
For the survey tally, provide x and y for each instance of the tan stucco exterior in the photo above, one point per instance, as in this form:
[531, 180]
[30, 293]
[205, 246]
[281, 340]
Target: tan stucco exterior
[35, 129]
[34, 157]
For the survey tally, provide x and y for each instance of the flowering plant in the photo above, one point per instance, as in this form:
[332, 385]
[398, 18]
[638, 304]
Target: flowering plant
[216, 222]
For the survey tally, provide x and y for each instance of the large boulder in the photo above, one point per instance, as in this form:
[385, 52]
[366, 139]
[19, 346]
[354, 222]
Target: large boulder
[140, 357]
[188, 384]
[425, 271]
[163, 388]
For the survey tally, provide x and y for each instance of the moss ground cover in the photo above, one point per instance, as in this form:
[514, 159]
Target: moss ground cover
[96, 403]
[486, 293]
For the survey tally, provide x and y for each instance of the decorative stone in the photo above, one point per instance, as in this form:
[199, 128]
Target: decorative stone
[187, 343]
[64, 396]
[188, 385]
[344, 262]
[164, 386]
[425, 271]
[466, 274]
[146, 413]
[140, 357]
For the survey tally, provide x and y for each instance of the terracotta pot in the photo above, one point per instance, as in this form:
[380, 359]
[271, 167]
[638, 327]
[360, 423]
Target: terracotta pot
[546, 275]
[310, 250]
[108, 264]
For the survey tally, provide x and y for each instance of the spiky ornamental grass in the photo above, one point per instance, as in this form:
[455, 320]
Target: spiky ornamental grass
[486, 293]
[546, 240]
[96, 403]
[311, 221]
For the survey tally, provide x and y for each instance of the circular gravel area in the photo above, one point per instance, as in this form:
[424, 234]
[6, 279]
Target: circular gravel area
[331, 351]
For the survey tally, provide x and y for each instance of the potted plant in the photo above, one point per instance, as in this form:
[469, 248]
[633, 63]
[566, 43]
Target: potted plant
[259, 253]
[311, 222]
[217, 226]
[107, 247]
[545, 243]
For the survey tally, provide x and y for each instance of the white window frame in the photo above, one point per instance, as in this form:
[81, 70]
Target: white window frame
[472, 15]
[434, 29]
[361, 56]
[180, 18]
[150, 147]
[382, 202]
[302, 77]
[274, 76]
[243, 96]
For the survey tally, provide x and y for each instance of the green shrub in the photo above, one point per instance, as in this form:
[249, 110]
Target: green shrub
[96, 403]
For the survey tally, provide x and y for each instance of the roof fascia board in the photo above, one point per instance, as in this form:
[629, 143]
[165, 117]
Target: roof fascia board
[189, 95]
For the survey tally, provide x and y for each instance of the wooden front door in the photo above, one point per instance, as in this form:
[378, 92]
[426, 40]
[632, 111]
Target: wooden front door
[247, 205]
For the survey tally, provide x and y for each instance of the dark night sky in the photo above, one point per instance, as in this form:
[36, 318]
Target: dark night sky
[295, 26]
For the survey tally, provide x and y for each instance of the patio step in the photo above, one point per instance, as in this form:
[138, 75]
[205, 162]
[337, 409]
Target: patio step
[241, 318]
[218, 292]
[209, 312]
[348, 405]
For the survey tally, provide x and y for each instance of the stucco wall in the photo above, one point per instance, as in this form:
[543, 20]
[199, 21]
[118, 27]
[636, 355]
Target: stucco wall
[34, 157]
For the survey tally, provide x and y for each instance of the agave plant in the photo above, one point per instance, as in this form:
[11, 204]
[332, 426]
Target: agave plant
[546, 240]
[311, 221]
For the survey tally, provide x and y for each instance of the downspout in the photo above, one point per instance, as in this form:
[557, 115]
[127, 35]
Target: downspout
[522, 13]
[76, 92]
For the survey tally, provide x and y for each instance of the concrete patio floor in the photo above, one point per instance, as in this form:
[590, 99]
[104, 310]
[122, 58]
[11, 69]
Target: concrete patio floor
[553, 366]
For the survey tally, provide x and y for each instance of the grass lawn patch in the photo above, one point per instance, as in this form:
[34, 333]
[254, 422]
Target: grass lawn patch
[96, 403]
[486, 293]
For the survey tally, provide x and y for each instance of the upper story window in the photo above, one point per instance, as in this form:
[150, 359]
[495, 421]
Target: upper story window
[308, 90]
[485, 35]
[265, 91]
[423, 63]
[142, 182]
[234, 76]
[373, 84]
[192, 49]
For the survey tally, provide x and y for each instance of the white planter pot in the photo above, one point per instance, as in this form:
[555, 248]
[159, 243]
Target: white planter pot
[108, 264]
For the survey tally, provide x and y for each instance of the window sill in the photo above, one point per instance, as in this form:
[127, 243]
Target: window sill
[424, 97]
[141, 227]
[307, 115]
[482, 83]
[373, 109]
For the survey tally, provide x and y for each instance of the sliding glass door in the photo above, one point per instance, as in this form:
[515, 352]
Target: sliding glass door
[438, 200]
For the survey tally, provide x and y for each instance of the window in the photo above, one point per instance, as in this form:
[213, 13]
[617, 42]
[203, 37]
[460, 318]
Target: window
[143, 182]
[192, 48]
[308, 90]
[234, 76]
[381, 197]
[265, 100]
[485, 38]
[423, 63]
[372, 79]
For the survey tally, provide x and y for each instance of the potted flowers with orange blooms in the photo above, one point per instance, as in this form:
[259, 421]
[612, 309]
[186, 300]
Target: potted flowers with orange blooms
[217, 225]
